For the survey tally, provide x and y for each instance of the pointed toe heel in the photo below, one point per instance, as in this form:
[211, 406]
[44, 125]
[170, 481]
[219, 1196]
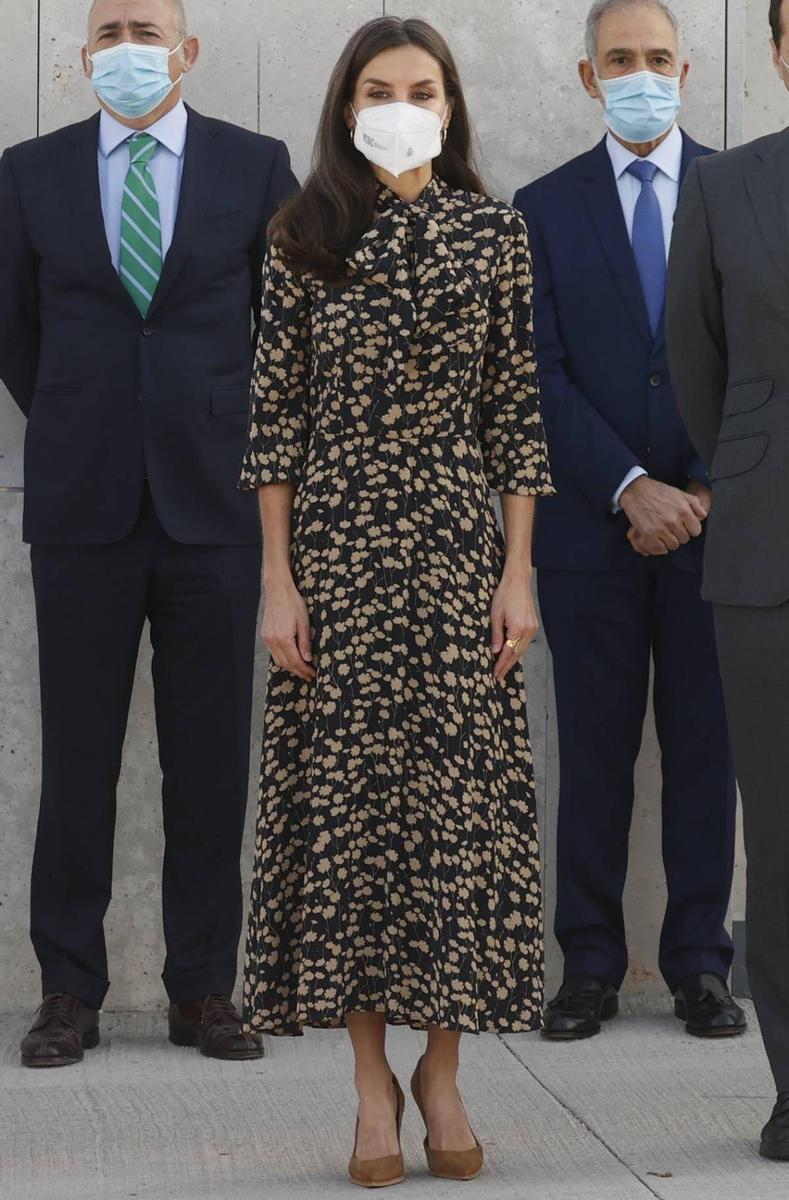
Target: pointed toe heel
[461, 1165]
[380, 1172]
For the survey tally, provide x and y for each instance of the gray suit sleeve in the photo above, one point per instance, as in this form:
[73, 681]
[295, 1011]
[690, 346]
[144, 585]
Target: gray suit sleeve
[694, 320]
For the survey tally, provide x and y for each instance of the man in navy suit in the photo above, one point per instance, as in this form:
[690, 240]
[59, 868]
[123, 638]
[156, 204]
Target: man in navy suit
[130, 265]
[619, 548]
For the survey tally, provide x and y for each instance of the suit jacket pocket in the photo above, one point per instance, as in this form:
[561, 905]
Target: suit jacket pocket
[747, 396]
[50, 402]
[737, 456]
[227, 402]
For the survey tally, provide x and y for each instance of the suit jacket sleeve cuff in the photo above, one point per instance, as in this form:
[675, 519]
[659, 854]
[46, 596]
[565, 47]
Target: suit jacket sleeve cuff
[698, 471]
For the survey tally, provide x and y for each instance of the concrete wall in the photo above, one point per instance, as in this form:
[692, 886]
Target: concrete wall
[767, 102]
[264, 65]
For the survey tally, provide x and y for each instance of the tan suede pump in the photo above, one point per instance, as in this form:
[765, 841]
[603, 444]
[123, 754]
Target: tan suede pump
[385, 1171]
[447, 1164]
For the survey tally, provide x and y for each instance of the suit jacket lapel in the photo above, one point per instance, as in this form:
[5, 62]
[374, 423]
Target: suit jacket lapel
[690, 150]
[202, 162]
[605, 209]
[80, 171]
[769, 194]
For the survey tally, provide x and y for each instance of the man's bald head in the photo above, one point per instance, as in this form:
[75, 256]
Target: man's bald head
[177, 6]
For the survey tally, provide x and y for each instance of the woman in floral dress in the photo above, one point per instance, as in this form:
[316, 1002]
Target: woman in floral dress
[397, 875]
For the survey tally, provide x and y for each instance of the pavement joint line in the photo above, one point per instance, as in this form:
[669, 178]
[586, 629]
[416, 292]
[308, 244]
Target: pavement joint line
[580, 1120]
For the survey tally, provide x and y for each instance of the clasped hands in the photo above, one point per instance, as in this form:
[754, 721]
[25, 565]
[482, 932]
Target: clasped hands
[663, 518]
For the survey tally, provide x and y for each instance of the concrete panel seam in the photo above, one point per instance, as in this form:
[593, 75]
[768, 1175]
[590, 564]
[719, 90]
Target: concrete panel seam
[735, 88]
[38, 69]
[581, 1121]
[726, 75]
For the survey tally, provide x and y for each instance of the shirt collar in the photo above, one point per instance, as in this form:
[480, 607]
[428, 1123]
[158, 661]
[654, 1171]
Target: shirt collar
[667, 157]
[169, 130]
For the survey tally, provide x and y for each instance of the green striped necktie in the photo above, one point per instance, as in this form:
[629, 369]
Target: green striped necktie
[141, 232]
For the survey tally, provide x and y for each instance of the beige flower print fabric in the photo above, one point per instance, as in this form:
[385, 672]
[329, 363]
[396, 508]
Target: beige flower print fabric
[397, 861]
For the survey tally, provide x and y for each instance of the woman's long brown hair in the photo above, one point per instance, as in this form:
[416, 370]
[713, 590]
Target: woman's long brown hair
[318, 227]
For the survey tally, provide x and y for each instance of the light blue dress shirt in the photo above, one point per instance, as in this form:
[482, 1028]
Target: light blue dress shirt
[167, 165]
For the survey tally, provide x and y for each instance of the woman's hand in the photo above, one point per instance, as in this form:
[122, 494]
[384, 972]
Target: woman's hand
[513, 615]
[286, 627]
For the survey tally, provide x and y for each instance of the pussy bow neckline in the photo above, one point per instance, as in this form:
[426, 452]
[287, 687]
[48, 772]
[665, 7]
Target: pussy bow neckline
[413, 255]
[428, 199]
[399, 228]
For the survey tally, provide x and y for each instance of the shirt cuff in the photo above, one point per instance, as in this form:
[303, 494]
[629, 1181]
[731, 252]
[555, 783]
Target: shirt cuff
[633, 473]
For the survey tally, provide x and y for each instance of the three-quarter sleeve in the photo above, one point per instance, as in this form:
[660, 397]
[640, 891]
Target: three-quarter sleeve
[511, 429]
[279, 401]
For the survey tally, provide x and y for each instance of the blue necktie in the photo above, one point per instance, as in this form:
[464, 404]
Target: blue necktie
[649, 246]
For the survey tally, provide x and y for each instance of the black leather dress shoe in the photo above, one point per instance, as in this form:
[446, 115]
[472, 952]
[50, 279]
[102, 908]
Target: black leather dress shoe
[215, 1027]
[63, 1030]
[578, 1009]
[705, 1004]
[775, 1135]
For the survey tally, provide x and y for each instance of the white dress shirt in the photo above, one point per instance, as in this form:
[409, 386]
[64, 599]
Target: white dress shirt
[166, 167]
[668, 159]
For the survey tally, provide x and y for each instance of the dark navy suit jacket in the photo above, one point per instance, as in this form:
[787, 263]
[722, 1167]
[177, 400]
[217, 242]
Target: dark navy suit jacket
[111, 397]
[608, 403]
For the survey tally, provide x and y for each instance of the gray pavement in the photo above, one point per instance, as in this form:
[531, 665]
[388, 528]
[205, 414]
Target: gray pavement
[641, 1111]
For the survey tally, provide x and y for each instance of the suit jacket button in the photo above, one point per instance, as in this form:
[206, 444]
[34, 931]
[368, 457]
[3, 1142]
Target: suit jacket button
[655, 380]
[147, 330]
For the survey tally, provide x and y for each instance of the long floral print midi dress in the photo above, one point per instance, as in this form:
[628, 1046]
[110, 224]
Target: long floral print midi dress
[397, 864]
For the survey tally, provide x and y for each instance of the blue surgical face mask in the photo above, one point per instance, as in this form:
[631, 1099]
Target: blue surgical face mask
[133, 80]
[640, 107]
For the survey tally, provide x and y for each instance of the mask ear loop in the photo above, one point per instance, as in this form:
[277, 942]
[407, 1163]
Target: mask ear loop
[175, 51]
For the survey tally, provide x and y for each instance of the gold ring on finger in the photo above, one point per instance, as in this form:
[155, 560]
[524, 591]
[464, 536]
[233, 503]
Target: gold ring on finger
[513, 644]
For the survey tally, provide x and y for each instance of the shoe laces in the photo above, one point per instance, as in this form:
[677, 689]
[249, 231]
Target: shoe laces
[216, 1010]
[710, 999]
[577, 993]
[55, 1007]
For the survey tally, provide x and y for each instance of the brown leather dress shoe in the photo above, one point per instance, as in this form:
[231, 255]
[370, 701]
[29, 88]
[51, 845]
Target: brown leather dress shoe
[214, 1025]
[64, 1028]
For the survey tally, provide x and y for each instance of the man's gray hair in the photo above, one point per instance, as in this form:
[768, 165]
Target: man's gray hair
[601, 7]
[180, 16]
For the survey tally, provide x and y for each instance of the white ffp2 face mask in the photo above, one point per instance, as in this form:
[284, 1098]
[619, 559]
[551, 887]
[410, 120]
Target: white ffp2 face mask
[398, 137]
